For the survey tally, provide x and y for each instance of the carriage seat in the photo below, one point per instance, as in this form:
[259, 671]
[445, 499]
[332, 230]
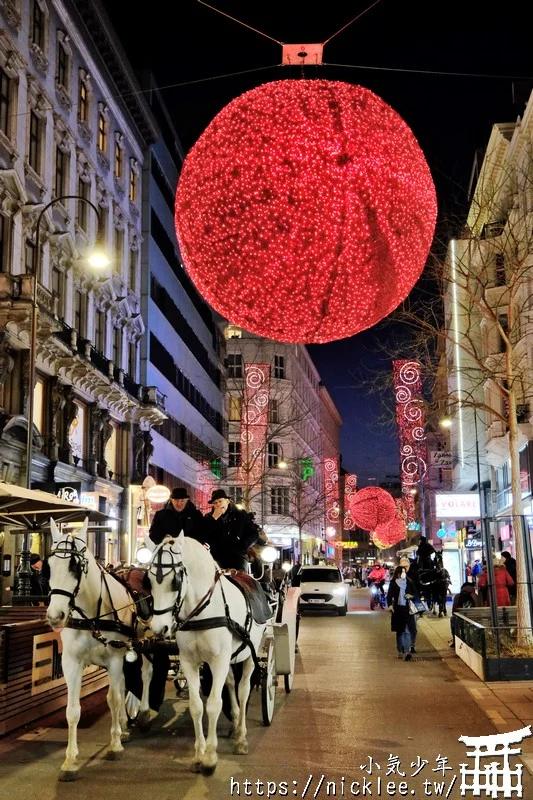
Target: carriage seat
[260, 608]
[133, 579]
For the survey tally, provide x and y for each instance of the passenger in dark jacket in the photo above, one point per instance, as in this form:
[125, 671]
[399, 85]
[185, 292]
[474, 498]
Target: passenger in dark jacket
[178, 515]
[229, 532]
[424, 554]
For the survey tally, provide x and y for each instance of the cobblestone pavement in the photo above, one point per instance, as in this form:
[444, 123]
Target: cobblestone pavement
[353, 705]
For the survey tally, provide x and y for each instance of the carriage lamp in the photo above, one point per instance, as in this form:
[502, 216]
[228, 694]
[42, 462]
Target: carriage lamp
[286, 566]
[6, 566]
[143, 555]
[131, 656]
[269, 554]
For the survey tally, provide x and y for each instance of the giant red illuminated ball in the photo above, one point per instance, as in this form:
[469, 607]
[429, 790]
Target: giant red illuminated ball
[305, 211]
[371, 507]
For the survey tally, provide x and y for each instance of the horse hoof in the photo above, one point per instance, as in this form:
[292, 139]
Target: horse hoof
[125, 736]
[114, 755]
[196, 766]
[207, 769]
[145, 719]
[68, 775]
[241, 749]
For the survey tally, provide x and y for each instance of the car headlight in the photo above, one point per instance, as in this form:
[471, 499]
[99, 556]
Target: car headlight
[339, 591]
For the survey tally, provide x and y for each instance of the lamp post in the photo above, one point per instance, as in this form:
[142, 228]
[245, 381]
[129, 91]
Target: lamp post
[98, 260]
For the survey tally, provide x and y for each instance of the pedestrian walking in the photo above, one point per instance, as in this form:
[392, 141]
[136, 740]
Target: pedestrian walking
[400, 591]
[466, 597]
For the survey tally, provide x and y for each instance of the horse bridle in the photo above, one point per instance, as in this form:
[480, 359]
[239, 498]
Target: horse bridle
[179, 572]
[76, 556]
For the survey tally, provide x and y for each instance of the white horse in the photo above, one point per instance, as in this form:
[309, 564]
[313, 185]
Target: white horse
[96, 616]
[195, 602]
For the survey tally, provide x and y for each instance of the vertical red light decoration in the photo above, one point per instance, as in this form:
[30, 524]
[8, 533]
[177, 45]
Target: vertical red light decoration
[350, 488]
[331, 489]
[410, 422]
[254, 422]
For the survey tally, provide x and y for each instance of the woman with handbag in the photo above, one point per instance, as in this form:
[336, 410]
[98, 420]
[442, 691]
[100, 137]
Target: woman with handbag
[401, 591]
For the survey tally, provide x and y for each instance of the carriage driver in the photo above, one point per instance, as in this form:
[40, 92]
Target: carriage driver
[425, 554]
[178, 515]
[229, 531]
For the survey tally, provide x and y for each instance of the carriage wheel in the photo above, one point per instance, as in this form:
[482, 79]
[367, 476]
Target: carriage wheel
[268, 685]
[133, 706]
[288, 681]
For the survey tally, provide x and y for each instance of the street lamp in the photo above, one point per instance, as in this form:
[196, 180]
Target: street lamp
[98, 260]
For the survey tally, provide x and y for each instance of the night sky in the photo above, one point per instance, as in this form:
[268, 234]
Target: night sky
[190, 44]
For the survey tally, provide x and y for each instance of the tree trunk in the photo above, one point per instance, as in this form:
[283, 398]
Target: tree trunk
[523, 612]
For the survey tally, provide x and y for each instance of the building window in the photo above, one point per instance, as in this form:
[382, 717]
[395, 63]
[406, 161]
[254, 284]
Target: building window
[34, 142]
[79, 312]
[273, 410]
[101, 234]
[500, 269]
[232, 332]
[82, 215]
[132, 272]
[119, 249]
[102, 133]
[37, 28]
[77, 432]
[111, 454]
[62, 66]
[5, 99]
[56, 281]
[274, 454]
[4, 242]
[234, 365]
[99, 331]
[132, 360]
[234, 454]
[279, 366]
[119, 158]
[117, 347]
[39, 419]
[279, 500]
[235, 409]
[29, 257]
[83, 101]
[61, 172]
[133, 181]
[235, 494]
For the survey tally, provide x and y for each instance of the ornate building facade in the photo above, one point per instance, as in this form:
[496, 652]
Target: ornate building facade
[72, 122]
[283, 449]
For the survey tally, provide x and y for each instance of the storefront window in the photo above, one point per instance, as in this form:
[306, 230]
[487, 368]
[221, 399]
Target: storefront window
[503, 486]
[110, 454]
[38, 405]
[525, 484]
[76, 433]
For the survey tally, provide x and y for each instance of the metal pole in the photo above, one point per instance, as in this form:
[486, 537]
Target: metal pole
[485, 537]
[24, 572]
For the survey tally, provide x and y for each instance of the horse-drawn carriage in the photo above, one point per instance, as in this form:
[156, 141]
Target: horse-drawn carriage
[218, 623]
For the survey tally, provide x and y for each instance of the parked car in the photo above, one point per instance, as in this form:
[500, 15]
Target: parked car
[322, 588]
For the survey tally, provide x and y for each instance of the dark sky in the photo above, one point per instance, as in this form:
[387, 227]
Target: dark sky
[188, 43]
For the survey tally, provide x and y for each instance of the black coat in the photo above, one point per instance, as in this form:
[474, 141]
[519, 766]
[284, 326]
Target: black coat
[400, 614]
[169, 522]
[230, 536]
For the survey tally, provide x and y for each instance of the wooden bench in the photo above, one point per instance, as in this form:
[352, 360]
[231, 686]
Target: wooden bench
[31, 682]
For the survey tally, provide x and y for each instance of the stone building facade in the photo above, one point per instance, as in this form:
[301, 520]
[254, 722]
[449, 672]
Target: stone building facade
[72, 122]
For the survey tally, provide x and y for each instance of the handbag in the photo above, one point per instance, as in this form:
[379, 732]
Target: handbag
[416, 606]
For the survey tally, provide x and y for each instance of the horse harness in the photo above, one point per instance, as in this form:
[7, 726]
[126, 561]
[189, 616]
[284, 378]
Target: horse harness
[192, 624]
[79, 565]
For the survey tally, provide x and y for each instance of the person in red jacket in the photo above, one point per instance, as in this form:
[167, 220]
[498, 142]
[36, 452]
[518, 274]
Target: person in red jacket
[378, 575]
[502, 580]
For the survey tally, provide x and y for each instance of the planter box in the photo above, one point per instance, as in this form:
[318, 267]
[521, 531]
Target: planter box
[488, 651]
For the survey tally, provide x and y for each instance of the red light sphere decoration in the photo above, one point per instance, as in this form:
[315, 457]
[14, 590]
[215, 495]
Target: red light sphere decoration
[391, 532]
[371, 507]
[305, 211]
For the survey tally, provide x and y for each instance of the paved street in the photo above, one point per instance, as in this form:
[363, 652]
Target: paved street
[352, 700]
